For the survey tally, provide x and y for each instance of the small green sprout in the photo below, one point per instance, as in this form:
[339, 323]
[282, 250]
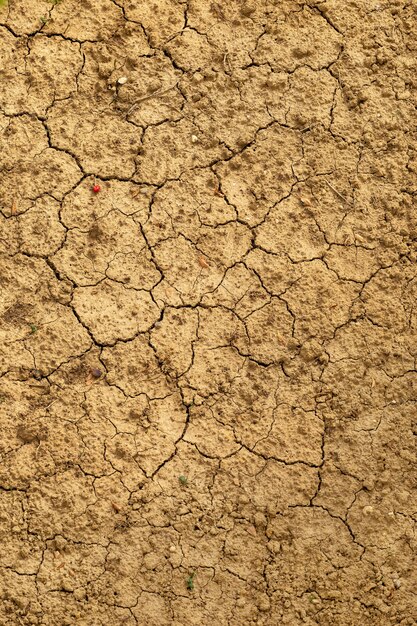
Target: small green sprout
[183, 480]
[44, 19]
[3, 3]
[190, 581]
[33, 329]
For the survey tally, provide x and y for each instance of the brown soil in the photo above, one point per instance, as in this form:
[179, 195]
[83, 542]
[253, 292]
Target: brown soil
[208, 368]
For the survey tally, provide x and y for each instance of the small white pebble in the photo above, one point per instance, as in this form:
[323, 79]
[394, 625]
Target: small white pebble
[172, 548]
[122, 80]
[367, 509]
[397, 583]
[194, 138]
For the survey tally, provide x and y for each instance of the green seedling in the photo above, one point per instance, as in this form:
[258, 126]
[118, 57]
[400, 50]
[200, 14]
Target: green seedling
[3, 3]
[44, 19]
[33, 329]
[183, 480]
[190, 581]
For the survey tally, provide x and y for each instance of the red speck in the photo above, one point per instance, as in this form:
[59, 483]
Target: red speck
[96, 188]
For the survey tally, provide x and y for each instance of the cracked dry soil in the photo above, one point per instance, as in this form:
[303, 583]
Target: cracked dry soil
[208, 369]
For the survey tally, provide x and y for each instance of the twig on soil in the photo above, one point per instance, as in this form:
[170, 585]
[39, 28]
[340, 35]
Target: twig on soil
[226, 61]
[13, 208]
[306, 128]
[336, 192]
[151, 95]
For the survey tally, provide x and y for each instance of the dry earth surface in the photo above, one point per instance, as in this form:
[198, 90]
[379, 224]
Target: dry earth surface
[208, 368]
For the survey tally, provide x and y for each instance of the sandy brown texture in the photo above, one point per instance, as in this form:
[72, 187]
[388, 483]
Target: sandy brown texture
[208, 373]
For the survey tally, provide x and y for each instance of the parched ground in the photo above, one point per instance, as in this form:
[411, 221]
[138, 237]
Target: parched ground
[208, 368]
